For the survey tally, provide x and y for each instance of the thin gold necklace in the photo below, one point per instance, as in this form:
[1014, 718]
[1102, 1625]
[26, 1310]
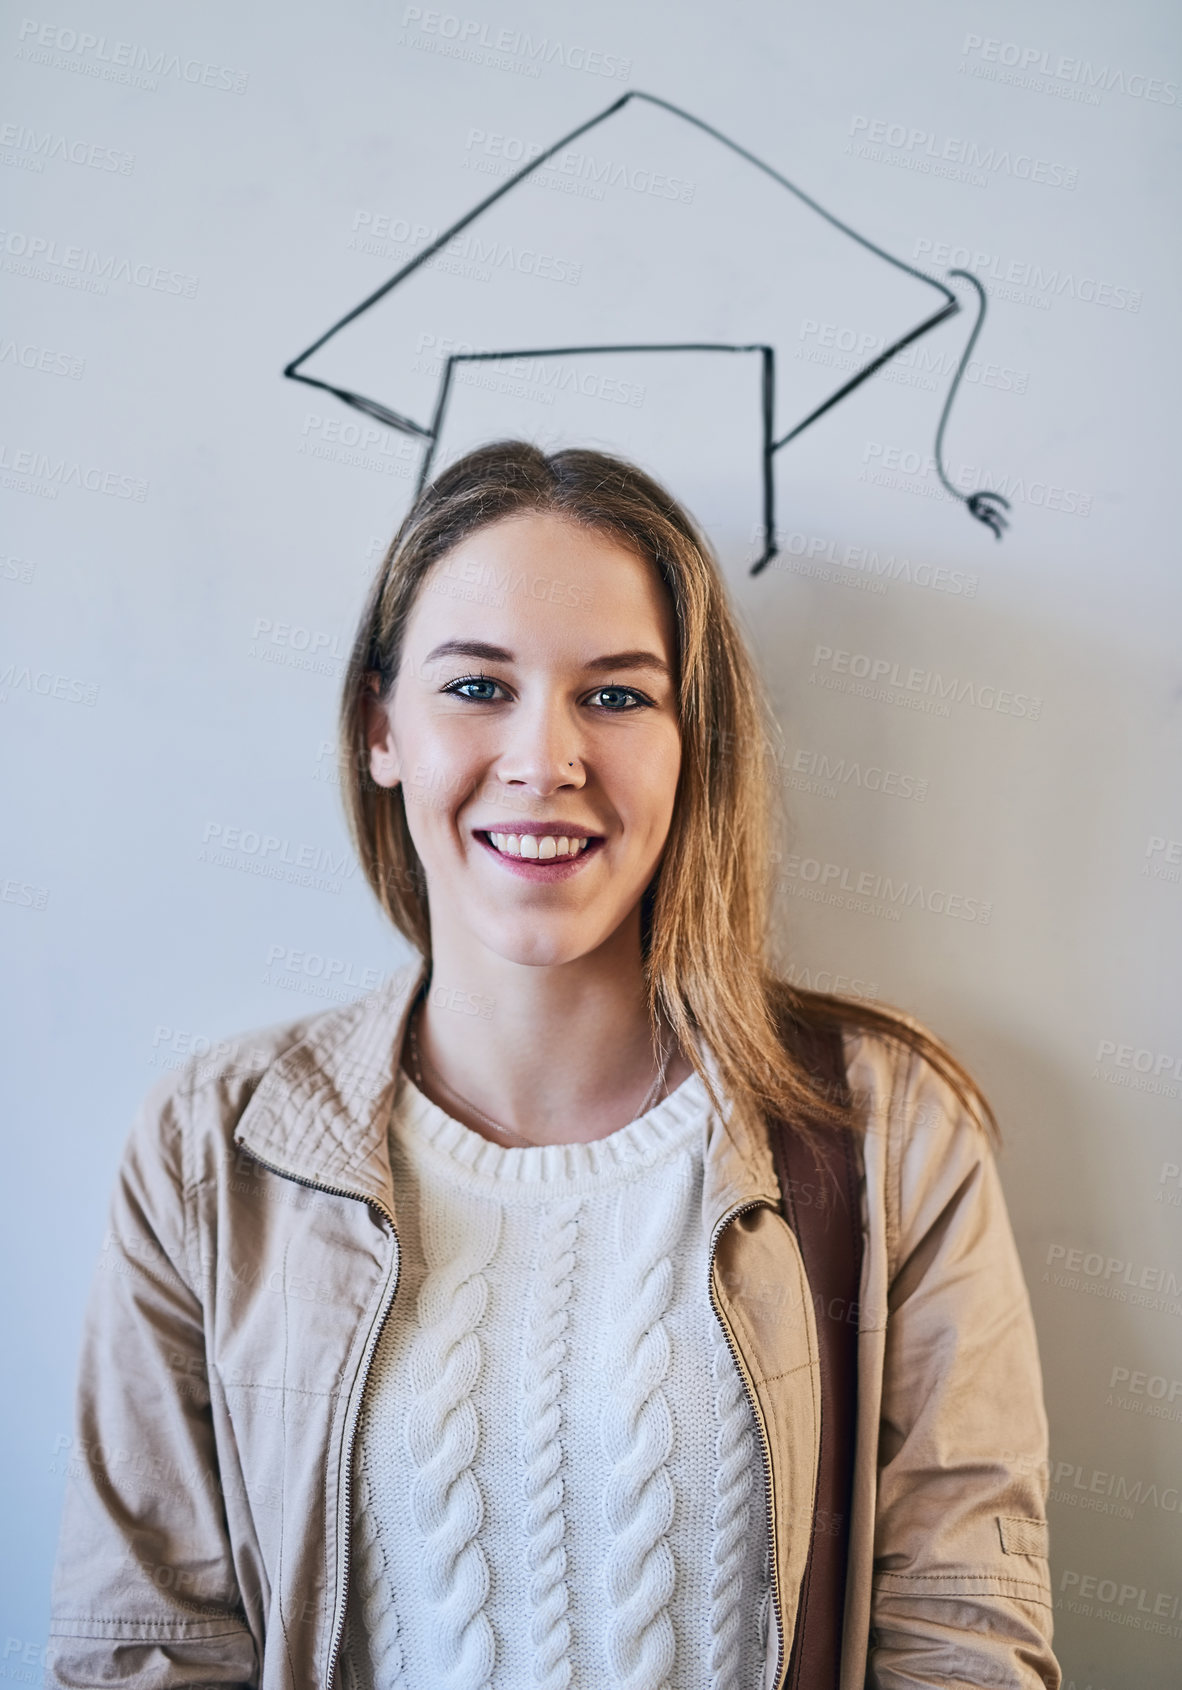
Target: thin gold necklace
[417, 1067]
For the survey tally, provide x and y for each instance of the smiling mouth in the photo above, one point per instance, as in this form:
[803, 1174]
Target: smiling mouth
[544, 857]
[537, 847]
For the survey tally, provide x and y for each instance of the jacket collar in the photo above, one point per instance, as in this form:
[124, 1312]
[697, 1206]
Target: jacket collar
[321, 1111]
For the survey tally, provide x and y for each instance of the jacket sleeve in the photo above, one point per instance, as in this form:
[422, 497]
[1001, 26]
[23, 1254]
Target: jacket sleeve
[144, 1591]
[961, 1593]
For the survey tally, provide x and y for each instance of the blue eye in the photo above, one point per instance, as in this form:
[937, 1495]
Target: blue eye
[638, 699]
[472, 681]
[623, 692]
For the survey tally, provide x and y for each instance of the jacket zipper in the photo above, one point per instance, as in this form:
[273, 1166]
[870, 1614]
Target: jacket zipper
[743, 1209]
[392, 1276]
[367, 1361]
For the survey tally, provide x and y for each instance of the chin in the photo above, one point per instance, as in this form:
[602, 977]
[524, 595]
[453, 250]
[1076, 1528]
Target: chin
[544, 946]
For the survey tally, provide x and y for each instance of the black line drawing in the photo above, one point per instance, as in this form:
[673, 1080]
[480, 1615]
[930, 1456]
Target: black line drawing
[986, 507]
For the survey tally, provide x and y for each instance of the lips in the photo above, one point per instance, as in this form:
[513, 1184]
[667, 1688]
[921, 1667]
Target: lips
[537, 847]
[557, 867]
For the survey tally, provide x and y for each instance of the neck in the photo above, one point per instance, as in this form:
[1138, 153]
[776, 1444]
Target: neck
[559, 1054]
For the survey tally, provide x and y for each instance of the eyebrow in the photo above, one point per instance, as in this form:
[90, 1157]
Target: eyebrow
[597, 665]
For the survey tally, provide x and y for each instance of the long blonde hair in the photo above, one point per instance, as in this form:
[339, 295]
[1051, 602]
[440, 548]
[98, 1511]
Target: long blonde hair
[705, 917]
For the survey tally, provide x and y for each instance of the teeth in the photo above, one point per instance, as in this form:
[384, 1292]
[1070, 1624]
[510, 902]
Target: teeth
[541, 846]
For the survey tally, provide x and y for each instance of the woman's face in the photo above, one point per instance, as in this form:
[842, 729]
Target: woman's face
[536, 691]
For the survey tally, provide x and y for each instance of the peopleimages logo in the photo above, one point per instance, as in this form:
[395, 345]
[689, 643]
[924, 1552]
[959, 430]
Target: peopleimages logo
[27, 470]
[20, 569]
[467, 254]
[316, 975]
[1096, 1491]
[1136, 1391]
[69, 689]
[1136, 1605]
[1137, 1068]
[1042, 283]
[45, 359]
[48, 260]
[839, 347]
[23, 893]
[1163, 858]
[524, 376]
[1048, 72]
[825, 774]
[480, 42]
[571, 171]
[884, 675]
[915, 472]
[368, 446]
[295, 647]
[31, 148]
[924, 150]
[1072, 1268]
[825, 558]
[823, 980]
[77, 50]
[870, 893]
[176, 1047]
[250, 851]
[1169, 1184]
[1153, 1385]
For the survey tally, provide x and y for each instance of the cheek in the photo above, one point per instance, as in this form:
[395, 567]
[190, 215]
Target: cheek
[442, 762]
[446, 742]
[646, 782]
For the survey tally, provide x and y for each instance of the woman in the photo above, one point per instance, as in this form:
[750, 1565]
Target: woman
[457, 1337]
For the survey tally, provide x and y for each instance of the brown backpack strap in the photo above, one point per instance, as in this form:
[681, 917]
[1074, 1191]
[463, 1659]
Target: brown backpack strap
[821, 1194]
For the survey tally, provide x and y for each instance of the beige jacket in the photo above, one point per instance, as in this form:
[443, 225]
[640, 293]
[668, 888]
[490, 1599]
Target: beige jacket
[252, 1257]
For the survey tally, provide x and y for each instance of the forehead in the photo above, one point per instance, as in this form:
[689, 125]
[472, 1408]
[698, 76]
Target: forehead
[541, 578]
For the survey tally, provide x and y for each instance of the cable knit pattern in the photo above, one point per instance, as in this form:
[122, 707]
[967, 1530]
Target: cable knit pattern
[552, 1457]
[442, 1433]
[541, 1447]
[638, 1437]
[374, 1594]
[734, 1482]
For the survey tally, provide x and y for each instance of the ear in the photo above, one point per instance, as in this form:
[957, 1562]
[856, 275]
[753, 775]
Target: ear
[384, 763]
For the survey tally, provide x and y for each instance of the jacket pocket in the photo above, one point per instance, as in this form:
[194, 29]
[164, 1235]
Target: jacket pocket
[1023, 1537]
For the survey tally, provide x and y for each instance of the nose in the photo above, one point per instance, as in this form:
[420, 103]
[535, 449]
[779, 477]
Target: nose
[541, 752]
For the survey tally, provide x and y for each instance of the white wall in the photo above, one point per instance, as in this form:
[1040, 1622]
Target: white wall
[150, 697]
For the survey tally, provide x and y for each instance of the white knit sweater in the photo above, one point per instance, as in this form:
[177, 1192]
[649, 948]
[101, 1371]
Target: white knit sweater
[558, 1480]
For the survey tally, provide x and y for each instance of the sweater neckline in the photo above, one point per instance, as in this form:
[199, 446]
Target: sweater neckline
[427, 1133]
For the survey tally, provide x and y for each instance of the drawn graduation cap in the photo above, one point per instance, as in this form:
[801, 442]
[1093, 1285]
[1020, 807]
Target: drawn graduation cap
[643, 232]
